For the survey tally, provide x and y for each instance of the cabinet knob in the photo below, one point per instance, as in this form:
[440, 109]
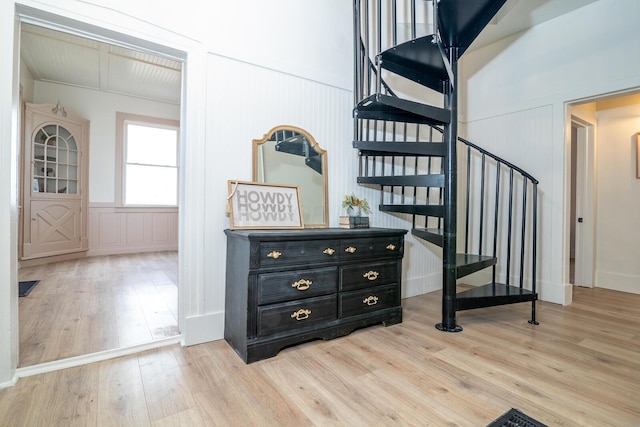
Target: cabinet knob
[391, 246]
[302, 284]
[370, 300]
[301, 314]
[274, 255]
[350, 249]
[371, 275]
[329, 251]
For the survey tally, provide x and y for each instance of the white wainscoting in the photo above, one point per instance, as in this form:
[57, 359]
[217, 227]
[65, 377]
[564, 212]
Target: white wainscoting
[119, 230]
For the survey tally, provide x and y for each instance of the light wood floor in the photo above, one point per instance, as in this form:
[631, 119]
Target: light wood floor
[579, 367]
[95, 304]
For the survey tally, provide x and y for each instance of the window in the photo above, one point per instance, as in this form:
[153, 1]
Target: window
[148, 153]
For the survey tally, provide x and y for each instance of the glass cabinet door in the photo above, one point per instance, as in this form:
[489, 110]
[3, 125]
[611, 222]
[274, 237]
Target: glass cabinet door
[55, 161]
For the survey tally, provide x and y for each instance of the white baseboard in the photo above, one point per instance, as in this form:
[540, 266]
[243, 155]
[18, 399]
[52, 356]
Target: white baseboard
[556, 293]
[9, 383]
[618, 282]
[130, 250]
[203, 328]
[421, 285]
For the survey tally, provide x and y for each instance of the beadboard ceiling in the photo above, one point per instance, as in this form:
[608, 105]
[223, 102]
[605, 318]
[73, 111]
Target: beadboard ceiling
[67, 59]
[62, 58]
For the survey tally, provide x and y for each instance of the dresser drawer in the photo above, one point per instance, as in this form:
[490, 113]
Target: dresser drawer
[366, 275]
[368, 300]
[296, 314]
[376, 247]
[276, 254]
[296, 284]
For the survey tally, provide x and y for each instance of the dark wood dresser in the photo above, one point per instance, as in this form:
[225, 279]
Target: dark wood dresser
[285, 287]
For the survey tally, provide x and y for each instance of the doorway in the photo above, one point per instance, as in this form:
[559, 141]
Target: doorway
[582, 203]
[121, 51]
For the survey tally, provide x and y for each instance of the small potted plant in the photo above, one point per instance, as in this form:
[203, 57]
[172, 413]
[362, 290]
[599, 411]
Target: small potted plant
[355, 206]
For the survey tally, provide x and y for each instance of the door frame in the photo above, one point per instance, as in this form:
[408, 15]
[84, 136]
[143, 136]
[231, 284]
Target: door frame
[26, 14]
[585, 202]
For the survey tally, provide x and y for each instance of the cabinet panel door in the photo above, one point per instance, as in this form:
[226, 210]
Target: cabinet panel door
[55, 226]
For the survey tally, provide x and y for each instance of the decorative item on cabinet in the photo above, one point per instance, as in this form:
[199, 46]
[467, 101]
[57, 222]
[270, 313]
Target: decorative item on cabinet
[355, 208]
[285, 287]
[253, 205]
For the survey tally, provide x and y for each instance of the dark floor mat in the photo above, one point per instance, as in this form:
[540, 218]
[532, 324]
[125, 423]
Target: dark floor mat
[24, 288]
[515, 418]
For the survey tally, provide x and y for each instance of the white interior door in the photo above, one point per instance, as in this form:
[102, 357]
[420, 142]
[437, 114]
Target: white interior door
[584, 203]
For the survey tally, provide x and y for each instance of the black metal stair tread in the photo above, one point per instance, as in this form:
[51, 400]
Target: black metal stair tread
[427, 210]
[401, 148]
[491, 295]
[470, 263]
[433, 235]
[391, 108]
[418, 60]
[435, 180]
[460, 21]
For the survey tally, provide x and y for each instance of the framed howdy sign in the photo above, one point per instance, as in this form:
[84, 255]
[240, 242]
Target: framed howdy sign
[260, 205]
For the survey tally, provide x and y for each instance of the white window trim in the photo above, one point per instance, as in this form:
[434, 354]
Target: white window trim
[121, 120]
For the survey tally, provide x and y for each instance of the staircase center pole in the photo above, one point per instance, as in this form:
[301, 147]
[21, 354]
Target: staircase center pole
[449, 275]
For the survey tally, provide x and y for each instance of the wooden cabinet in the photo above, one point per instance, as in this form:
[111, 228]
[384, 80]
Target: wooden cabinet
[285, 287]
[54, 182]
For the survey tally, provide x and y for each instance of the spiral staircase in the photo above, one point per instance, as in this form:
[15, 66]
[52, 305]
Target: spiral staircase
[410, 149]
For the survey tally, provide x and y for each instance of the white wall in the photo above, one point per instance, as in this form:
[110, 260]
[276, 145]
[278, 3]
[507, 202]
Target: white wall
[524, 82]
[100, 109]
[618, 196]
[216, 120]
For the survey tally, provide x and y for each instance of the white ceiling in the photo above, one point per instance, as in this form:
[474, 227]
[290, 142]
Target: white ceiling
[518, 15]
[67, 59]
[62, 58]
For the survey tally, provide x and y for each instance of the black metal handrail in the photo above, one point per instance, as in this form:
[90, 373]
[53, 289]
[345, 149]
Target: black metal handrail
[498, 159]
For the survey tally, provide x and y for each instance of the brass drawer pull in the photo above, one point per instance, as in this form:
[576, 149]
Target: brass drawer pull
[301, 314]
[350, 249]
[274, 255]
[370, 300]
[329, 251]
[371, 275]
[302, 284]
[391, 246]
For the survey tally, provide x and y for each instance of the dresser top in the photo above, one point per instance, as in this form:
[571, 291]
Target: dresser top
[314, 233]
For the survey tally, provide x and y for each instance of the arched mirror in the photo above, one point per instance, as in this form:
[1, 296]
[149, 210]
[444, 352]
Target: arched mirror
[290, 155]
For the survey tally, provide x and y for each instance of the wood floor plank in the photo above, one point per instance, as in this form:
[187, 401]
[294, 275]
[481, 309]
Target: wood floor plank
[121, 398]
[574, 369]
[95, 304]
[164, 385]
[71, 399]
